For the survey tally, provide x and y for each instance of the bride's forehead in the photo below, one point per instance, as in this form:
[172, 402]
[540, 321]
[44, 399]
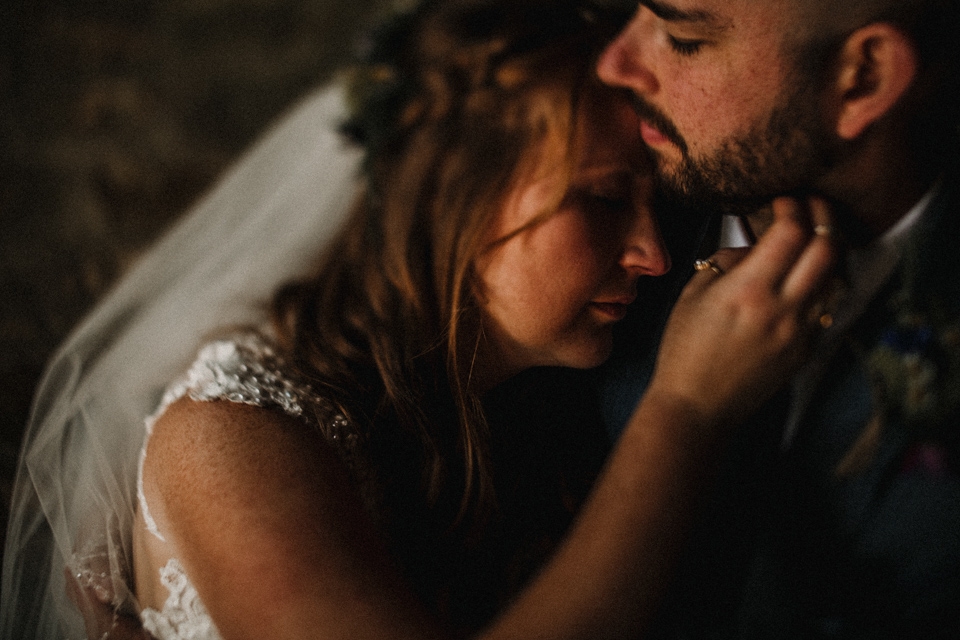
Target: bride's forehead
[608, 134]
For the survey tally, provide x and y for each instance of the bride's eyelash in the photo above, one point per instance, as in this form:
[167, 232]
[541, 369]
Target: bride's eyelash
[610, 199]
[685, 47]
[606, 200]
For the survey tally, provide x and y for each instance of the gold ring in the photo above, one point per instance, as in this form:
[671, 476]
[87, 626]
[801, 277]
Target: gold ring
[704, 265]
[819, 315]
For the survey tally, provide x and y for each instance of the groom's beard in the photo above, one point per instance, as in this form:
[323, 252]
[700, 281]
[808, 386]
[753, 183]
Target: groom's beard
[786, 154]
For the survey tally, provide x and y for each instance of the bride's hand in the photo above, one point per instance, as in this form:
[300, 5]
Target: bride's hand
[734, 337]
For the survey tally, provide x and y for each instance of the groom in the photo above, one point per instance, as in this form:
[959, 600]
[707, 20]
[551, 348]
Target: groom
[839, 514]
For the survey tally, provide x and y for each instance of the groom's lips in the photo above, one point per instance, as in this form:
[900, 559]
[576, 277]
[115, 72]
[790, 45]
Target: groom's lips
[652, 136]
[655, 128]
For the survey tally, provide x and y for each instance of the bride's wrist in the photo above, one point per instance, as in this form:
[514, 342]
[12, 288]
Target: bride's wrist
[679, 423]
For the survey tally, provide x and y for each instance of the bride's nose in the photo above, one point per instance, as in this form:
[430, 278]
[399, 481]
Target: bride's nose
[644, 252]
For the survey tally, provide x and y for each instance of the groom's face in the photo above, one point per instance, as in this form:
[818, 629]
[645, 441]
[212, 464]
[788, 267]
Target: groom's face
[729, 115]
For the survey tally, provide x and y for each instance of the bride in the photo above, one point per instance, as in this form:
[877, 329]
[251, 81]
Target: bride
[361, 464]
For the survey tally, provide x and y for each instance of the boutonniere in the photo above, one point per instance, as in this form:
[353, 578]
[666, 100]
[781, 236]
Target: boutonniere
[914, 370]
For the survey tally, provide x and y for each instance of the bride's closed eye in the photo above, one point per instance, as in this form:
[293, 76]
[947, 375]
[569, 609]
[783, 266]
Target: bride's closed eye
[606, 195]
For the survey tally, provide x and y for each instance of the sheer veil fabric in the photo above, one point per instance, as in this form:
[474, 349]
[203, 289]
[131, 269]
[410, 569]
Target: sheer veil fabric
[75, 490]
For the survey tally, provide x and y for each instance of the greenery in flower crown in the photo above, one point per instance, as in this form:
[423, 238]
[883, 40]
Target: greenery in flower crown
[394, 66]
[378, 84]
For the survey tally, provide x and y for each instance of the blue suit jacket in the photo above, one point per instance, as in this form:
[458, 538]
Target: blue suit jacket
[783, 548]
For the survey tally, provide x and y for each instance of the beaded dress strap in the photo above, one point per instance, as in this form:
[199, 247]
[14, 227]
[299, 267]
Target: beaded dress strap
[244, 368]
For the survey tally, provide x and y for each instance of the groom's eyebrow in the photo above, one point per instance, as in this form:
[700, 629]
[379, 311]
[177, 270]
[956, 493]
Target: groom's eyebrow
[671, 13]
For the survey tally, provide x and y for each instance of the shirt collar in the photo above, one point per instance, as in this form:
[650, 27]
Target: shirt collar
[868, 267]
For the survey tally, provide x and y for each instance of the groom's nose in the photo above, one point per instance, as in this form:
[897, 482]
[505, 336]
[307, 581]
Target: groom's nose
[622, 63]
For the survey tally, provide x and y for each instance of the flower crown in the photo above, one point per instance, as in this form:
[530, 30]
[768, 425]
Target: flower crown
[396, 66]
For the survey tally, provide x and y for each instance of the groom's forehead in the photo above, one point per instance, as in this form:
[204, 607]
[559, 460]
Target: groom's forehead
[783, 24]
[728, 13]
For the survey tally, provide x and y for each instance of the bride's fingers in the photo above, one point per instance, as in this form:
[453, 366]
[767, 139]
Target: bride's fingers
[820, 216]
[790, 265]
[774, 255]
[813, 268]
[718, 264]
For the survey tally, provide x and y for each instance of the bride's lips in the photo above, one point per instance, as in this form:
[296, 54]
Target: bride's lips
[651, 135]
[613, 309]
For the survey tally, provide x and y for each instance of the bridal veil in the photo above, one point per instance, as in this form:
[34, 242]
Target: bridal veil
[75, 490]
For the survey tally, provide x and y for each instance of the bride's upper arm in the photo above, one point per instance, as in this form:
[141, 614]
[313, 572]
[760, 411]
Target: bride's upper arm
[262, 514]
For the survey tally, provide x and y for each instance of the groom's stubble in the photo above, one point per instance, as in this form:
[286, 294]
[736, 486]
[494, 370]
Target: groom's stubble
[784, 153]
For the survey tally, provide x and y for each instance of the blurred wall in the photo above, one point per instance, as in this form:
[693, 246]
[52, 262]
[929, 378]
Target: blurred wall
[114, 116]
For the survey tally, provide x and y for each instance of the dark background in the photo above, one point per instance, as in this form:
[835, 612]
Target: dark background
[114, 116]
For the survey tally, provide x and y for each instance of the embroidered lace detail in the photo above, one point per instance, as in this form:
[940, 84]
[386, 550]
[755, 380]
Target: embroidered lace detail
[99, 566]
[183, 617]
[92, 571]
[242, 369]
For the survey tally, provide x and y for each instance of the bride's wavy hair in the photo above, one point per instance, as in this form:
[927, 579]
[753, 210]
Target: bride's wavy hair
[451, 102]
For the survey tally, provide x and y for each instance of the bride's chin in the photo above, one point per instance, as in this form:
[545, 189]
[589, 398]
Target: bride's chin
[591, 353]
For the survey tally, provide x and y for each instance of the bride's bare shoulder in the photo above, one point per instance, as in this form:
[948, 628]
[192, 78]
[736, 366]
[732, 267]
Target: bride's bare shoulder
[263, 516]
[221, 463]
[213, 438]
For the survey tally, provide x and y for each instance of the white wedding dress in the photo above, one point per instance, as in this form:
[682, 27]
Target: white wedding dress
[242, 368]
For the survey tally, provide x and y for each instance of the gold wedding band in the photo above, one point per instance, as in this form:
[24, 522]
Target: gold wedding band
[704, 265]
[824, 230]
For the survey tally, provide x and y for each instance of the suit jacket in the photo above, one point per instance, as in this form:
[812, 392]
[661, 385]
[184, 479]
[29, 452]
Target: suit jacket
[784, 548]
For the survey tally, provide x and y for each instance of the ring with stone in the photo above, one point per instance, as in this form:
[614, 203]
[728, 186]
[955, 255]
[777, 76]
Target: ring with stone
[704, 265]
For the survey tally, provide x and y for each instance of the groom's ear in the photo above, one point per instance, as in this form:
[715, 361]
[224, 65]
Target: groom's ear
[877, 65]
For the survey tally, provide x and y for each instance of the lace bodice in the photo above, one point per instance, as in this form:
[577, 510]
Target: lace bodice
[244, 368]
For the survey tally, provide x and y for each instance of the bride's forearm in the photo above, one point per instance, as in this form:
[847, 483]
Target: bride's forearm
[607, 578]
[604, 582]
